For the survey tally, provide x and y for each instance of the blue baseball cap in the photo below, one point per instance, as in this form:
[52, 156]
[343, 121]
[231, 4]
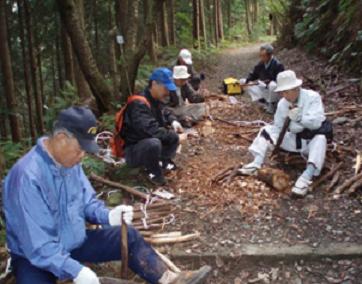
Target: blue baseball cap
[81, 122]
[163, 76]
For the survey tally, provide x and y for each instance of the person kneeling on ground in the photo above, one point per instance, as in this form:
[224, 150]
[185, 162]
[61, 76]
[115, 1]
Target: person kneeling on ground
[185, 103]
[185, 59]
[47, 201]
[148, 141]
[307, 134]
[265, 73]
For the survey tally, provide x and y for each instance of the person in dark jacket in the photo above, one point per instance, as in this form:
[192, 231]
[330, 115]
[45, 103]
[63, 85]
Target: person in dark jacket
[265, 73]
[186, 104]
[149, 141]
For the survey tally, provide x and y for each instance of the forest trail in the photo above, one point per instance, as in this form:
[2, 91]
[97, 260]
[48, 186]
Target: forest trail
[243, 210]
[232, 62]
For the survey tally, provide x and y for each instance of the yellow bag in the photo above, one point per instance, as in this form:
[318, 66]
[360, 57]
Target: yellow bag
[231, 86]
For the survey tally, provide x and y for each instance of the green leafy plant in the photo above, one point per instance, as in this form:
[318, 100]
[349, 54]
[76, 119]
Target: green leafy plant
[93, 164]
[67, 98]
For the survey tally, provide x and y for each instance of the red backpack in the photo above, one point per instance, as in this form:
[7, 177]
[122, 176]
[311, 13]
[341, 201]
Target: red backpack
[117, 142]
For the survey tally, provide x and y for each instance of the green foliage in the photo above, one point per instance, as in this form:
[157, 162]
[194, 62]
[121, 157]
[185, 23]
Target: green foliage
[12, 152]
[68, 97]
[93, 164]
[107, 121]
[330, 28]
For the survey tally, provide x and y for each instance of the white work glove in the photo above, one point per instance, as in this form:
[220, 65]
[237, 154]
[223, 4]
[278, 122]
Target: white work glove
[294, 114]
[295, 127]
[177, 126]
[116, 213]
[86, 276]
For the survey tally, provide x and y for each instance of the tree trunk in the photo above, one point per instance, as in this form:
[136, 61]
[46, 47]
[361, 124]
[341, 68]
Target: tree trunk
[113, 70]
[248, 18]
[151, 49]
[41, 82]
[83, 88]
[220, 24]
[2, 164]
[216, 22]
[68, 57]
[164, 26]
[210, 17]
[34, 69]
[100, 89]
[3, 119]
[133, 57]
[8, 80]
[229, 3]
[172, 23]
[196, 22]
[255, 12]
[96, 32]
[202, 22]
[54, 76]
[26, 68]
[58, 59]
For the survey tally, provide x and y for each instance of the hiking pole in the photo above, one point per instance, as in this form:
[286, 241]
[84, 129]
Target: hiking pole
[124, 248]
[281, 137]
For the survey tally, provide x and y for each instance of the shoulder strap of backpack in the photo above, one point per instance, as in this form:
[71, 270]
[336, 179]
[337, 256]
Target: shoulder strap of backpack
[138, 98]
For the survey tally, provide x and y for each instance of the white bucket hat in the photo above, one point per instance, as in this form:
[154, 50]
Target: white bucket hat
[186, 55]
[287, 80]
[180, 72]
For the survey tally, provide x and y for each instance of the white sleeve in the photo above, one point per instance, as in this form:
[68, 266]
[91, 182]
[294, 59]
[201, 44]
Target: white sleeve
[313, 113]
[281, 113]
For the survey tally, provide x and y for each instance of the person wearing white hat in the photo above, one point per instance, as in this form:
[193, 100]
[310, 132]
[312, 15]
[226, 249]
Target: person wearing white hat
[187, 105]
[185, 58]
[307, 134]
[264, 73]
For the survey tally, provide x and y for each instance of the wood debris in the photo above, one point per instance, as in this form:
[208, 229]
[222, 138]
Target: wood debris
[275, 178]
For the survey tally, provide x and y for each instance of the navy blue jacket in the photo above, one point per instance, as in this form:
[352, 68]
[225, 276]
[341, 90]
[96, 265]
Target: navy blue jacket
[264, 74]
[141, 122]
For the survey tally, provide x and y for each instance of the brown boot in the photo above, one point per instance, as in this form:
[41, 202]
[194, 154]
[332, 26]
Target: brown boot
[193, 277]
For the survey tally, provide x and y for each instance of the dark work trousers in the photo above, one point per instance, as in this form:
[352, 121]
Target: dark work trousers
[100, 246]
[149, 152]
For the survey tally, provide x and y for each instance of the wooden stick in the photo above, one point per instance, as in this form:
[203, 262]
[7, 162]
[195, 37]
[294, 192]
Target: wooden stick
[150, 227]
[221, 174]
[168, 262]
[355, 186]
[327, 176]
[167, 235]
[124, 249]
[233, 173]
[249, 84]
[333, 182]
[152, 214]
[184, 238]
[348, 183]
[281, 136]
[226, 121]
[126, 188]
[152, 206]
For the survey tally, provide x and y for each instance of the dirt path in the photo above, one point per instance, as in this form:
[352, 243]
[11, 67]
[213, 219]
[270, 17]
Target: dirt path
[236, 62]
[245, 210]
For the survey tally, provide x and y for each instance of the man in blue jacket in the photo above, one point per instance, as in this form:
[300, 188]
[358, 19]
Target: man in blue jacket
[47, 202]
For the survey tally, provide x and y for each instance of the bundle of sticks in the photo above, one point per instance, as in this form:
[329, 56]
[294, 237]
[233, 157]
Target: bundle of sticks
[226, 175]
[153, 217]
